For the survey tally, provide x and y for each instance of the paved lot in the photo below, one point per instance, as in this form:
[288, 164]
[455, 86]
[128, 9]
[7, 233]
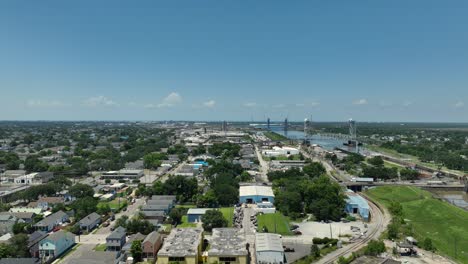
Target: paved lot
[316, 229]
[300, 251]
[82, 250]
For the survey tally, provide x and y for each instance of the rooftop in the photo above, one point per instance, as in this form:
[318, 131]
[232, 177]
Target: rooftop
[268, 242]
[227, 242]
[117, 233]
[197, 211]
[256, 190]
[182, 242]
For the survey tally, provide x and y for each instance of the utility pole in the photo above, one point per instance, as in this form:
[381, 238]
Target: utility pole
[331, 234]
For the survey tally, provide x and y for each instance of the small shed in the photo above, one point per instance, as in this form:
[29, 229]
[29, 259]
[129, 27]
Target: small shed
[194, 214]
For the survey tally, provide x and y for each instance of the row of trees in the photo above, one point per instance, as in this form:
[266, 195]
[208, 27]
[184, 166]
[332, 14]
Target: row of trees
[313, 192]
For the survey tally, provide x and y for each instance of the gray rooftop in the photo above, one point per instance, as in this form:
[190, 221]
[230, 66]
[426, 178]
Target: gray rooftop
[53, 218]
[268, 242]
[152, 237]
[117, 233]
[227, 242]
[182, 242]
[90, 219]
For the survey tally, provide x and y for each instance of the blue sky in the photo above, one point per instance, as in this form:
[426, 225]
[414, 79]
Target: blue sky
[234, 60]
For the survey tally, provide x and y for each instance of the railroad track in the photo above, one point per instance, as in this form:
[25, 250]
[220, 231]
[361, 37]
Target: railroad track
[376, 213]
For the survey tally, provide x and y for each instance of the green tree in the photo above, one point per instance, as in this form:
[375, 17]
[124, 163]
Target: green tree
[84, 206]
[19, 243]
[19, 228]
[393, 230]
[213, 219]
[136, 251]
[325, 199]
[176, 215]
[153, 160]
[33, 164]
[103, 209]
[6, 251]
[374, 248]
[121, 221]
[315, 251]
[207, 200]
[376, 161]
[80, 190]
[428, 245]
[314, 169]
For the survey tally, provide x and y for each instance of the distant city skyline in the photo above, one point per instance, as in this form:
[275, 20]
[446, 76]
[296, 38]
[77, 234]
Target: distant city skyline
[398, 61]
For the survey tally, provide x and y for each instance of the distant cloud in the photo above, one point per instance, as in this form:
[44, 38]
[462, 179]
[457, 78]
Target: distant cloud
[308, 104]
[279, 106]
[407, 103]
[459, 104]
[250, 104]
[171, 100]
[360, 102]
[209, 104]
[44, 103]
[99, 101]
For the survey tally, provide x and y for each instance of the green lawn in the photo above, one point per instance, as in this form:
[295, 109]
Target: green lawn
[185, 223]
[275, 223]
[188, 206]
[100, 247]
[273, 136]
[445, 224]
[114, 204]
[228, 213]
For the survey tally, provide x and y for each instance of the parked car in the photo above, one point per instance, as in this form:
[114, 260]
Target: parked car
[288, 249]
[294, 227]
[297, 232]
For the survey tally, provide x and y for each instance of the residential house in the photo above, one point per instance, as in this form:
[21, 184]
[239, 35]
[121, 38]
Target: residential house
[116, 240]
[55, 245]
[50, 222]
[26, 210]
[151, 245]
[49, 202]
[183, 245]
[7, 220]
[128, 245]
[227, 245]
[27, 217]
[90, 221]
[33, 242]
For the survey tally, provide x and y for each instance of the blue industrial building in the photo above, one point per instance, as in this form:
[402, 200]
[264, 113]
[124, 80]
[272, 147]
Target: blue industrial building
[355, 204]
[256, 194]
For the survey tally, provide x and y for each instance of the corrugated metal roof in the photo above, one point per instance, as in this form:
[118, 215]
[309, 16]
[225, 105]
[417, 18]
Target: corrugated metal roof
[268, 242]
[256, 190]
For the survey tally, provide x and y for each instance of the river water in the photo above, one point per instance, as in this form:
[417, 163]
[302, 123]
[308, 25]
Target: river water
[457, 198]
[327, 143]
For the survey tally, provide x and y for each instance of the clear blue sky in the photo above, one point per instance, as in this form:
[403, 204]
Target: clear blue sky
[235, 60]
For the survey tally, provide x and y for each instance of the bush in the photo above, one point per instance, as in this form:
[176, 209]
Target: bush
[374, 248]
[324, 241]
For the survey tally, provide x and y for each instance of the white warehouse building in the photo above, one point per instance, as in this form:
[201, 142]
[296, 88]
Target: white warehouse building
[280, 151]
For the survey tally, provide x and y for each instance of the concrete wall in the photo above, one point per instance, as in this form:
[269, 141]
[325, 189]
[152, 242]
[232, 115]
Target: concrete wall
[239, 260]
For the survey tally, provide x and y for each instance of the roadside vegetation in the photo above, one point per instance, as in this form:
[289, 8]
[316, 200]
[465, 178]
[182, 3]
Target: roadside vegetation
[274, 136]
[436, 224]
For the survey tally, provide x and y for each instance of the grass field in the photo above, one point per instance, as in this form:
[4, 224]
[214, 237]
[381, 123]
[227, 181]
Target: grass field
[275, 223]
[114, 204]
[445, 224]
[273, 136]
[185, 223]
[228, 213]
